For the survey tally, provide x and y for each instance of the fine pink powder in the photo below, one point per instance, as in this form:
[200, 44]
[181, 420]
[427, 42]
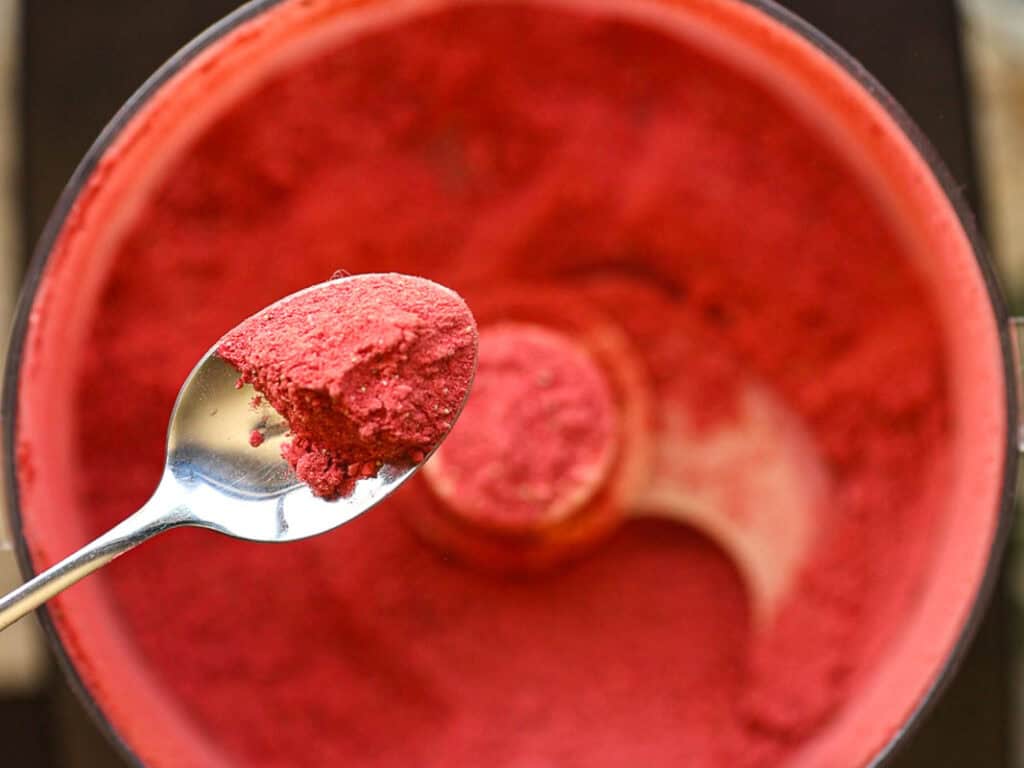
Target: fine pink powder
[482, 146]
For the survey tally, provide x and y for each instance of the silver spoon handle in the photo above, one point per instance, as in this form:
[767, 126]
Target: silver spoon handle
[154, 517]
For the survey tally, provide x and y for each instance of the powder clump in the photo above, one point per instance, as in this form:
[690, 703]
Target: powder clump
[366, 371]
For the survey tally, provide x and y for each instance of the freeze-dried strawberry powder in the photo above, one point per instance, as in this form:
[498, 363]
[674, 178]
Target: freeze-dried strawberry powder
[367, 371]
[708, 220]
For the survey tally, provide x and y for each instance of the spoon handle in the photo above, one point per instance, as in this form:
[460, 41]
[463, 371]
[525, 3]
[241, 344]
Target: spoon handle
[154, 517]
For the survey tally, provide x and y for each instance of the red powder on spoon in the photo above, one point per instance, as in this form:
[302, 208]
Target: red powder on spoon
[368, 370]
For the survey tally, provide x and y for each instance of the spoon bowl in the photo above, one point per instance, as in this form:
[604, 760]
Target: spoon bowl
[250, 492]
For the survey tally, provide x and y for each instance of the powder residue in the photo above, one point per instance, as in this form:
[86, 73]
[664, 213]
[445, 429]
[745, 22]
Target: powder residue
[583, 154]
[365, 371]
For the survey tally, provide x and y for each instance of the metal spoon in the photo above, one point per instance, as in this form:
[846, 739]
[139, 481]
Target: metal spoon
[213, 478]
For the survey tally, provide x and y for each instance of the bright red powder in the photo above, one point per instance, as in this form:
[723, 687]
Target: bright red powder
[538, 434]
[593, 156]
[256, 438]
[366, 371]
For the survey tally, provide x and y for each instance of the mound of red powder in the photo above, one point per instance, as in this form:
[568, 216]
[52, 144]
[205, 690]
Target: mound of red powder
[366, 370]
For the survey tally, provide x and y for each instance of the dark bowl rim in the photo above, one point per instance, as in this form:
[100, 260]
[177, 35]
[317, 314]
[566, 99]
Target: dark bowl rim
[252, 9]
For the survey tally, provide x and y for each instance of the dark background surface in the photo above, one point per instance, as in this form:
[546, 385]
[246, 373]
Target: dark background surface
[83, 59]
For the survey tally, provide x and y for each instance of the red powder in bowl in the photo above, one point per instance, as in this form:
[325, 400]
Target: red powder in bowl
[716, 225]
[367, 371]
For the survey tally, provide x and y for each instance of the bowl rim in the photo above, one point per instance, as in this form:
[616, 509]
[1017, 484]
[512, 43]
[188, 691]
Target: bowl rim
[789, 20]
